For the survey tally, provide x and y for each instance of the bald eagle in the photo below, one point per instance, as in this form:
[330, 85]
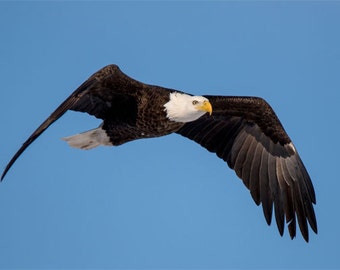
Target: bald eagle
[243, 131]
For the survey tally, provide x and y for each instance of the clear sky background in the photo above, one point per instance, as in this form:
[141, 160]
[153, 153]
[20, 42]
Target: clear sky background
[166, 202]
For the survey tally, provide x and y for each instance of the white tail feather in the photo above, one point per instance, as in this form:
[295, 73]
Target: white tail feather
[88, 139]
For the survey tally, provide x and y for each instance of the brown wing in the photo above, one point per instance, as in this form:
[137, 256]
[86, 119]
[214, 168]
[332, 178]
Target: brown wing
[94, 96]
[246, 133]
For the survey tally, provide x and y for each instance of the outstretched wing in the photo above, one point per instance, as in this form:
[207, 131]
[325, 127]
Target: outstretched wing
[94, 96]
[246, 133]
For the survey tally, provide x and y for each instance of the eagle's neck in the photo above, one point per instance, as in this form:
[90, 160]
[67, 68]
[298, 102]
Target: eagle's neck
[179, 108]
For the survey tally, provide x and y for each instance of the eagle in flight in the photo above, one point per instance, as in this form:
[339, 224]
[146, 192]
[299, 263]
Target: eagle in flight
[243, 131]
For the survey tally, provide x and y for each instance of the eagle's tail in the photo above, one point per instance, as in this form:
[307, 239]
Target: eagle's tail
[89, 139]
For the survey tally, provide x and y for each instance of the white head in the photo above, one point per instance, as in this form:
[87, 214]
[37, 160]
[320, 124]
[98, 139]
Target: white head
[185, 108]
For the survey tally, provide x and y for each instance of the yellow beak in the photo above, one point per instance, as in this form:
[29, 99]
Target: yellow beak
[206, 107]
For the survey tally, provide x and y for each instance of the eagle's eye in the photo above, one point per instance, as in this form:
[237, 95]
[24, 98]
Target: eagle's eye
[194, 102]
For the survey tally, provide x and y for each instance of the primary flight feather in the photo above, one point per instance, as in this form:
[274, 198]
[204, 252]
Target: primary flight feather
[243, 131]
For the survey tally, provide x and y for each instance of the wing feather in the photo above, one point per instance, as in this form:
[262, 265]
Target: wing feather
[247, 164]
[275, 190]
[290, 205]
[265, 194]
[254, 174]
[239, 152]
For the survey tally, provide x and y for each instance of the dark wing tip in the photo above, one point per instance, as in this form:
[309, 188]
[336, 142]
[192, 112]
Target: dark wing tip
[5, 172]
[34, 135]
[62, 108]
[9, 165]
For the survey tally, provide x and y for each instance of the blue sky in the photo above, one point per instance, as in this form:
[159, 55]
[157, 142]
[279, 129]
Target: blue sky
[166, 202]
